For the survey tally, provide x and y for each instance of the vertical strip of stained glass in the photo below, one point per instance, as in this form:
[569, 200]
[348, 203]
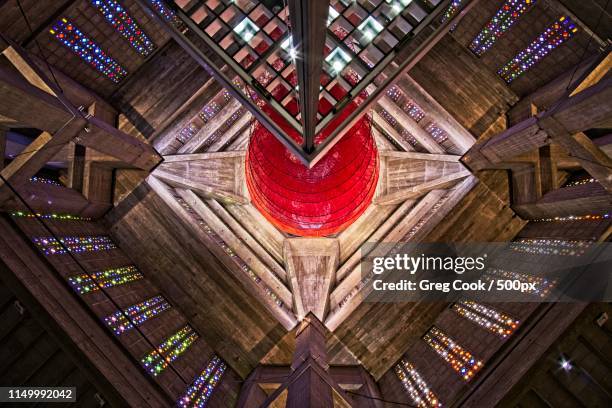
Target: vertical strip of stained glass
[199, 393]
[556, 34]
[88, 50]
[125, 25]
[168, 14]
[135, 315]
[173, 347]
[45, 180]
[537, 285]
[84, 283]
[415, 385]
[486, 317]
[52, 246]
[550, 246]
[460, 360]
[49, 216]
[451, 10]
[501, 22]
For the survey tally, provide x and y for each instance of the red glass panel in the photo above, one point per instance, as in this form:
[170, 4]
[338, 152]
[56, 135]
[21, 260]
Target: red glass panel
[319, 201]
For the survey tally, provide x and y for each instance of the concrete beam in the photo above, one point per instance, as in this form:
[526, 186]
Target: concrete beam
[308, 19]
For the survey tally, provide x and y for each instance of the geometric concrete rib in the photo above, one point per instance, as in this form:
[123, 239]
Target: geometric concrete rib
[234, 242]
[405, 121]
[389, 131]
[217, 175]
[198, 140]
[308, 22]
[408, 175]
[348, 286]
[436, 113]
[408, 193]
[348, 291]
[352, 257]
[285, 317]
[311, 267]
[227, 138]
[240, 228]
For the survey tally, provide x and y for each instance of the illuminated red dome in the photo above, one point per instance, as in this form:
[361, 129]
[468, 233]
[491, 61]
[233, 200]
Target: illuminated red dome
[312, 202]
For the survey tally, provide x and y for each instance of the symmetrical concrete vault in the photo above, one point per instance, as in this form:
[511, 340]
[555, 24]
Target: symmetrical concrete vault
[155, 164]
[421, 180]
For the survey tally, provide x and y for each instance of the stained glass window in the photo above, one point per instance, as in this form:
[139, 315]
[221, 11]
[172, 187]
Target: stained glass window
[84, 283]
[580, 182]
[122, 321]
[125, 25]
[391, 120]
[573, 218]
[417, 114]
[415, 385]
[460, 360]
[439, 134]
[226, 248]
[199, 393]
[51, 246]
[209, 111]
[486, 317]
[555, 35]
[162, 9]
[88, 50]
[452, 9]
[501, 22]
[45, 180]
[539, 286]
[545, 246]
[223, 129]
[167, 13]
[169, 350]
[50, 216]
[407, 105]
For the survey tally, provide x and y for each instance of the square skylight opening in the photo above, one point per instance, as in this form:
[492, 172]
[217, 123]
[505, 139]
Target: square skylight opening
[287, 43]
[395, 7]
[246, 29]
[331, 16]
[403, 3]
[370, 28]
[338, 59]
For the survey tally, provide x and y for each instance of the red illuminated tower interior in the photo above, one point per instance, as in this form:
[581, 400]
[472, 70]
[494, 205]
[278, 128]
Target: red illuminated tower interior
[319, 201]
